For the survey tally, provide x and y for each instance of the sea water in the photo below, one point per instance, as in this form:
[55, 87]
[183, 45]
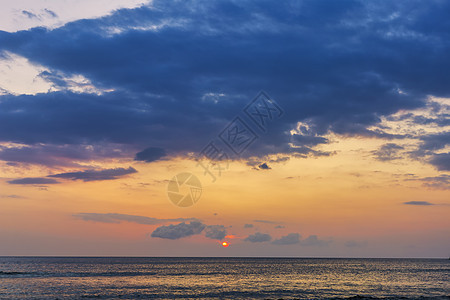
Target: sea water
[222, 278]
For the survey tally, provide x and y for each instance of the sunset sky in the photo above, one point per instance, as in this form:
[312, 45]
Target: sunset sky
[102, 103]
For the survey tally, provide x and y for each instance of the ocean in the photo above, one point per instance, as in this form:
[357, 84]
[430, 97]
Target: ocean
[222, 278]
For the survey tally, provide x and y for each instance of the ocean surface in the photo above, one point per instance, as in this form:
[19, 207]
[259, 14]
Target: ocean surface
[222, 278]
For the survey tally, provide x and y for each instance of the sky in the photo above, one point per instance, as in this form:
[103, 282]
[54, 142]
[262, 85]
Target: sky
[309, 128]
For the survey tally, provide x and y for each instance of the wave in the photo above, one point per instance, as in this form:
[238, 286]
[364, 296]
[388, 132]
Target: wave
[357, 297]
[13, 273]
[252, 295]
[106, 274]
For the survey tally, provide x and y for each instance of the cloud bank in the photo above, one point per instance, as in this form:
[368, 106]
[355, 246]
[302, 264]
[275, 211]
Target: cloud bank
[174, 74]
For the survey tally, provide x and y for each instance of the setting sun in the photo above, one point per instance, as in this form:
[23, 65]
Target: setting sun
[225, 244]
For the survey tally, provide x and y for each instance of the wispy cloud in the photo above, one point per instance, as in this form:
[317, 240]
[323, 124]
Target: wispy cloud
[266, 221]
[118, 218]
[437, 182]
[388, 152]
[96, 175]
[12, 196]
[33, 180]
[425, 203]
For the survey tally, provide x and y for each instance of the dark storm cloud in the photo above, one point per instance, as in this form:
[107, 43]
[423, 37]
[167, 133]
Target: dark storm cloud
[95, 175]
[420, 203]
[115, 119]
[174, 232]
[215, 232]
[258, 237]
[150, 154]
[290, 239]
[71, 118]
[33, 180]
[117, 218]
[338, 65]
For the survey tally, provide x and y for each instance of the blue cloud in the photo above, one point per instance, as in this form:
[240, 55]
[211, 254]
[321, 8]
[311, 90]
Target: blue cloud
[441, 161]
[418, 203]
[313, 240]
[33, 180]
[290, 239]
[181, 230]
[264, 166]
[337, 65]
[29, 14]
[96, 175]
[258, 237]
[387, 152]
[437, 182]
[150, 154]
[215, 232]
